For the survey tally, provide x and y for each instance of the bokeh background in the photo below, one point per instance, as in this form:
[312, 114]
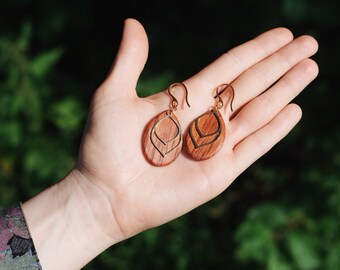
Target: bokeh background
[283, 213]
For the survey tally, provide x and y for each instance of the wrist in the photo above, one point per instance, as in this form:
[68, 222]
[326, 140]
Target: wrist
[99, 205]
[70, 225]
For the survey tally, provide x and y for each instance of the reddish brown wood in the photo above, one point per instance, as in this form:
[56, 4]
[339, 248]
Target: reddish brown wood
[162, 139]
[205, 135]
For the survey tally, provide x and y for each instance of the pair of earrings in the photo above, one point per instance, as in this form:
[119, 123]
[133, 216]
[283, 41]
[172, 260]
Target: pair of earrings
[162, 138]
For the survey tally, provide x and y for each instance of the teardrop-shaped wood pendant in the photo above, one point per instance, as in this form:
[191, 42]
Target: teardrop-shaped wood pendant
[206, 135]
[162, 139]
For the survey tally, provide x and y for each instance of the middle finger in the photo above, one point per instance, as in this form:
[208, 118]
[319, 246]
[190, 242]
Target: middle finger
[262, 75]
[263, 108]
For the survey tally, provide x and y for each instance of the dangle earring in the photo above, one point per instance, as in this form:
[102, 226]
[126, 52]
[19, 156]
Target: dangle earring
[162, 137]
[207, 132]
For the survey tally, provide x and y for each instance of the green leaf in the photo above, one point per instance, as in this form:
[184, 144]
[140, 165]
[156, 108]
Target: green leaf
[270, 214]
[44, 62]
[25, 36]
[67, 114]
[254, 242]
[150, 237]
[11, 133]
[46, 159]
[333, 258]
[255, 234]
[276, 261]
[302, 248]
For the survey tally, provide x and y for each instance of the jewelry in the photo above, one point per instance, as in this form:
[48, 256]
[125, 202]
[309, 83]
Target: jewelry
[162, 137]
[207, 132]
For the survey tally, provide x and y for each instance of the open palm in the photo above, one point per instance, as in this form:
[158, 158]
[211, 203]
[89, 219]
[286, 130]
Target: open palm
[141, 195]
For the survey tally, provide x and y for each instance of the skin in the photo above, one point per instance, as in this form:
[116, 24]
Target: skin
[113, 193]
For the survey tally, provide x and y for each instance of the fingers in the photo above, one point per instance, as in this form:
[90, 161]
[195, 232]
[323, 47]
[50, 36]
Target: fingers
[260, 142]
[233, 63]
[130, 59]
[262, 75]
[263, 108]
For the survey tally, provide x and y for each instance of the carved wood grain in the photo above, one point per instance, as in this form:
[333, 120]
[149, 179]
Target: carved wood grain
[205, 145]
[162, 139]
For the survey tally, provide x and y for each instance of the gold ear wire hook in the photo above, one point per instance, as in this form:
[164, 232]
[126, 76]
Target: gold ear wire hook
[219, 103]
[174, 102]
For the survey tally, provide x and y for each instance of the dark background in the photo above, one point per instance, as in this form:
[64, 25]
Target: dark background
[281, 214]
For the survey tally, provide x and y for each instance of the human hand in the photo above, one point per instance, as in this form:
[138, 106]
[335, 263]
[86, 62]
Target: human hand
[133, 194]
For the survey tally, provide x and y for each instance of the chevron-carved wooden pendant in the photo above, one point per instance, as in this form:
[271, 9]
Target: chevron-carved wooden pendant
[206, 135]
[162, 139]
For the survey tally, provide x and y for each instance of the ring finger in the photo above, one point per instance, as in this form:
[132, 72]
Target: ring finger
[266, 106]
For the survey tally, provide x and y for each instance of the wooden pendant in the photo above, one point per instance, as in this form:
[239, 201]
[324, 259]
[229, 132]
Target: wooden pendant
[162, 139]
[206, 135]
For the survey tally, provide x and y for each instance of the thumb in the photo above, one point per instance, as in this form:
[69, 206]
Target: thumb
[130, 59]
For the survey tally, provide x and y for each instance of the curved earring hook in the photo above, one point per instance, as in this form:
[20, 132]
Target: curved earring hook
[219, 103]
[174, 102]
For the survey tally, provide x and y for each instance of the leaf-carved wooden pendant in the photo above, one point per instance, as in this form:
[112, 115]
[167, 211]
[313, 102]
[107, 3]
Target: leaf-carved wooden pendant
[162, 139]
[206, 135]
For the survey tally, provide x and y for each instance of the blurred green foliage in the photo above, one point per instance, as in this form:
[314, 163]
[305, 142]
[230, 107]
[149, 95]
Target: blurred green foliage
[281, 214]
